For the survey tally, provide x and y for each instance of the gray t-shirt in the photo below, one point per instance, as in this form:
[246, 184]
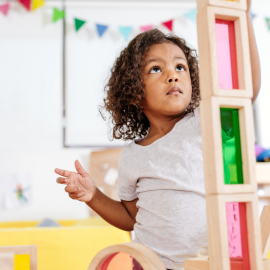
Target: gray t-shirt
[168, 179]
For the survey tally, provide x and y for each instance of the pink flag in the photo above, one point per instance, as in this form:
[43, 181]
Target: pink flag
[146, 27]
[26, 4]
[4, 8]
[168, 24]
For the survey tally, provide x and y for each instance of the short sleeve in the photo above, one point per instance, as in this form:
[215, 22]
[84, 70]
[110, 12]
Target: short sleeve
[126, 185]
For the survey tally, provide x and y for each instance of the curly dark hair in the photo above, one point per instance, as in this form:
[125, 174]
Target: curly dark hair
[125, 89]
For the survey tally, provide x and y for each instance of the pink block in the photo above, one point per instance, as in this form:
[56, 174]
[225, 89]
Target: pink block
[234, 229]
[226, 54]
[238, 235]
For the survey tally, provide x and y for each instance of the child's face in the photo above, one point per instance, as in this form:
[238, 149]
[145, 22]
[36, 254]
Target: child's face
[166, 67]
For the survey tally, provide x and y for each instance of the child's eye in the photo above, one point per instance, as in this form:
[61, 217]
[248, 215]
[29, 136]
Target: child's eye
[155, 70]
[180, 68]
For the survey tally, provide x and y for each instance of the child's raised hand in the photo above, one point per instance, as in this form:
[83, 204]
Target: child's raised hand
[80, 186]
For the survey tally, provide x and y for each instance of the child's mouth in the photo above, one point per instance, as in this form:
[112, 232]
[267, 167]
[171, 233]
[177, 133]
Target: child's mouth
[175, 90]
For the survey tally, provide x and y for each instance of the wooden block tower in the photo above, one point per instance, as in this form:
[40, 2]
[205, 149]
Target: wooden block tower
[234, 236]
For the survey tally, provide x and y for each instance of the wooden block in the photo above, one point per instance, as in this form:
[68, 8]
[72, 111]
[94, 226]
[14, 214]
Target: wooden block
[147, 258]
[203, 264]
[217, 230]
[32, 250]
[263, 172]
[265, 230]
[240, 4]
[6, 261]
[208, 58]
[200, 263]
[266, 264]
[212, 145]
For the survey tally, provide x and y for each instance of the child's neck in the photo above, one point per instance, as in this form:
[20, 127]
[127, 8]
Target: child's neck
[159, 127]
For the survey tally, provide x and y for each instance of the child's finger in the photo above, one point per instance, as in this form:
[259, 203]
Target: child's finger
[76, 196]
[61, 180]
[62, 172]
[72, 189]
[80, 169]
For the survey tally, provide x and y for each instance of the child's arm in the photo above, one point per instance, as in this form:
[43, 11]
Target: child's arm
[254, 57]
[119, 214]
[81, 187]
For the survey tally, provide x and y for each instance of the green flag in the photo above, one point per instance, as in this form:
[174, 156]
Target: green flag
[268, 23]
[58, 14]
[78, 24]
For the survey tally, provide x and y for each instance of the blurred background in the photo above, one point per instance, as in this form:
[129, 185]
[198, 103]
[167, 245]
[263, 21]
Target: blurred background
[55, 59]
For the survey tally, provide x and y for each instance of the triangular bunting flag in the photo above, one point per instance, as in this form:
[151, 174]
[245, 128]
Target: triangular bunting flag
[191, 15]
[146, 27]
[37, 4]
[101, 29]
[125, 31]
[4, 8]
[78, 24]
[268, 23]
[26, 4]
[168, 24]
[58, 14]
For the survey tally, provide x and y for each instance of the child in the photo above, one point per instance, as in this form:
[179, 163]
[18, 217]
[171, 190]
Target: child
[153, 94]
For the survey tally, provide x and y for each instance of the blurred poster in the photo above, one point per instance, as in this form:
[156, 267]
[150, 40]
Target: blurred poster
[17, 190]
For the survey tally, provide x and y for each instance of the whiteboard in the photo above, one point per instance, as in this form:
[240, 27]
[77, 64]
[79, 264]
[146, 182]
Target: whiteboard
[90, 58]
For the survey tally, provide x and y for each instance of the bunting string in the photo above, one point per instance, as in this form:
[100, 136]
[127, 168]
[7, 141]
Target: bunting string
[101, 29]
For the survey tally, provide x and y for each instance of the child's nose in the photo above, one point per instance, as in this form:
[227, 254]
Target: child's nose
[172, 76]
[173, 80]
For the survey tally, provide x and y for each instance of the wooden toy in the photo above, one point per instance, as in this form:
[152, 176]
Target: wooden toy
[239, 4]
[6, 261]
[225, 61]
[234, 237]
[147, 259]
[25, 256]
[213, 148]
[265, 230]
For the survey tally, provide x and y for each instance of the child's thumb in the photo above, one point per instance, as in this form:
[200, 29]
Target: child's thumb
[80, 169]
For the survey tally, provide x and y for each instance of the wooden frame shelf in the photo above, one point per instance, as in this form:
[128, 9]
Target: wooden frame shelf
[212, 145]
[240, 4]
[209, 77]
[217, 230]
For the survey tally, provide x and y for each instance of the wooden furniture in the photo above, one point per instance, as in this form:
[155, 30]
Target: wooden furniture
[7, 261]
[19, 250]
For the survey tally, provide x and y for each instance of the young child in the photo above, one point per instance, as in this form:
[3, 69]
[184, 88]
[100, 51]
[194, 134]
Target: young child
[153, 97]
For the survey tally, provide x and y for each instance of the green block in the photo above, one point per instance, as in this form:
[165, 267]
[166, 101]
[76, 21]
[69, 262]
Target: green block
[231, 146]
